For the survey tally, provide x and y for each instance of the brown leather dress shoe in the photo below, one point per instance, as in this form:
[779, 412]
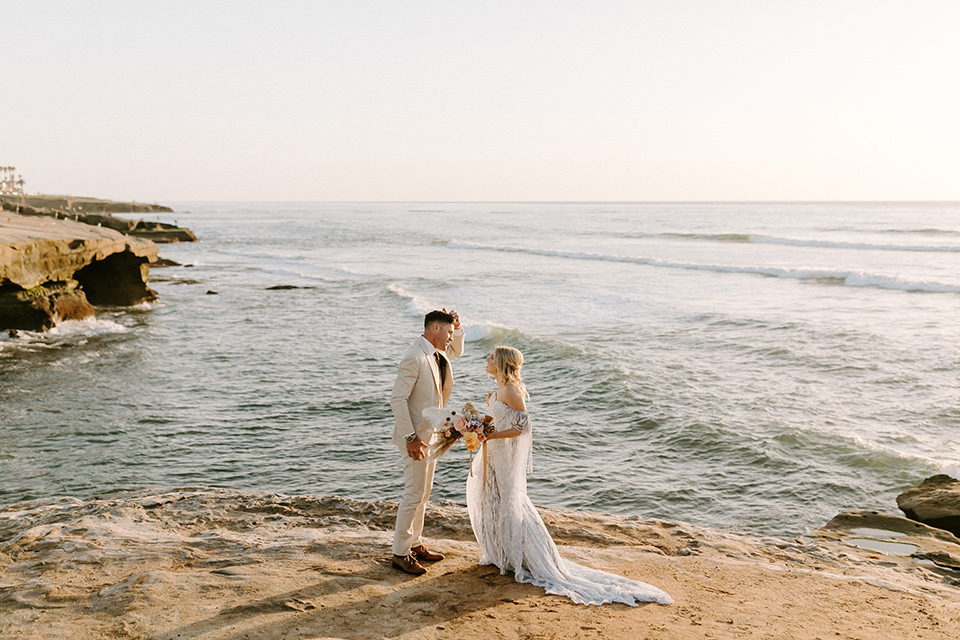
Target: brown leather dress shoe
[423, 555]
[409, 564]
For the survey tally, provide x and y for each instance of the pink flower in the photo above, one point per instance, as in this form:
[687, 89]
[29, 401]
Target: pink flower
[460, 424]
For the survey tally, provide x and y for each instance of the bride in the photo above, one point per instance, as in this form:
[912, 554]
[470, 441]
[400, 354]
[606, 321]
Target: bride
[507, 526]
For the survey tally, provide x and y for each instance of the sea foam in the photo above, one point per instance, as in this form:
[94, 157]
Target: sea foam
[748, 238]
[848, 278]
[87, 327]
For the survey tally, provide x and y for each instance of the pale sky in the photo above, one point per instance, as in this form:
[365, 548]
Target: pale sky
[411, 100]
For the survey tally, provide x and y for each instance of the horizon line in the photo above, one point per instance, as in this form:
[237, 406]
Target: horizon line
[401, 201]
[736, 201]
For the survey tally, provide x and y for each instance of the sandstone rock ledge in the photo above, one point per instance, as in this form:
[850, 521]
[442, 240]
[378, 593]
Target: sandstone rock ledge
[98, 212]
[935, 501]
[53, 270]
[217, 564]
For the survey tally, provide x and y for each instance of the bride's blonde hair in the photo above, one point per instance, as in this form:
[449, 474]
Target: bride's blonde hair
[507, 362]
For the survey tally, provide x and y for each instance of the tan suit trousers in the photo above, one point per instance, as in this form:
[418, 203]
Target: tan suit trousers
[417, 482]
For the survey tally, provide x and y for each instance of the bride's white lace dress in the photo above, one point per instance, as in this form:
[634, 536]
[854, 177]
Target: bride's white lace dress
[512, 535]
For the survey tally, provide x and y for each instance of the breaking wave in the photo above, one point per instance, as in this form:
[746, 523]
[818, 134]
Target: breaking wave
[846, 278]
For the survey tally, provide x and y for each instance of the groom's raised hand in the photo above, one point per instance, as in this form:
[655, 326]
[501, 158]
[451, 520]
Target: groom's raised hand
[456, 318]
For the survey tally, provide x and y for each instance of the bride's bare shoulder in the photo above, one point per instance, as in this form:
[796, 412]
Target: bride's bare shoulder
[511, 396]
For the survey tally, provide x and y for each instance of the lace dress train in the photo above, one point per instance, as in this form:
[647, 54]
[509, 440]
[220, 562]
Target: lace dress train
[512, 535]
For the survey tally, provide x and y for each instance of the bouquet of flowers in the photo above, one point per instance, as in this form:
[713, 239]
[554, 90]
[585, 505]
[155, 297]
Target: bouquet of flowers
[450, 425]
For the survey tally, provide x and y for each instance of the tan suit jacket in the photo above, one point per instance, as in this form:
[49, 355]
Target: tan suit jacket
[418, 386]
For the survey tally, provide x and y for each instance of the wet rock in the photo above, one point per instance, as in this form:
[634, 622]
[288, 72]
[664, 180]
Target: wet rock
[286, 287]
[67, 305]
[42, 308]
[935, 502]
[852, 519]
[940, 558]
[163, 233]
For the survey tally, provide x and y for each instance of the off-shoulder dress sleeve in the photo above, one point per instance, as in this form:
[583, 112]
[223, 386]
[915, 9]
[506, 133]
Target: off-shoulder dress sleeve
[519, 419]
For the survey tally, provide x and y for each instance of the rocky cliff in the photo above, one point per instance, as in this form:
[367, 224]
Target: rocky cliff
[53, 270]
[97, 212]
[75, 204]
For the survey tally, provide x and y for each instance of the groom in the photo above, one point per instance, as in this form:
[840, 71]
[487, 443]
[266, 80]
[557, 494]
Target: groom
[424, 379]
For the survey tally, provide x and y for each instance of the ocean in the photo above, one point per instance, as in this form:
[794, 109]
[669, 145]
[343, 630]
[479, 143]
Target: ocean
[756, 367]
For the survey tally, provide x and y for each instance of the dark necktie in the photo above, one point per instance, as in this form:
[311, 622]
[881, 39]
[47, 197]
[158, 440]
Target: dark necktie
[441, 365]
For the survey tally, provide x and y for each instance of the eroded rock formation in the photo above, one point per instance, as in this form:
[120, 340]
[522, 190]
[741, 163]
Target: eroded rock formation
[53, 270]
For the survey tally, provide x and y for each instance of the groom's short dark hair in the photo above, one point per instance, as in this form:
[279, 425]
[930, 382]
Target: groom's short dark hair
[437, 316]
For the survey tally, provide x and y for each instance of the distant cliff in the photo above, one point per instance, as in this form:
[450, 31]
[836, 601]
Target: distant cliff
[53, 270]
[36, 204]
[98, 212]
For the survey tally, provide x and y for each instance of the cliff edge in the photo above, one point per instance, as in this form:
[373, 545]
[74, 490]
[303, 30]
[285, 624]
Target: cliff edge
[221, 564]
